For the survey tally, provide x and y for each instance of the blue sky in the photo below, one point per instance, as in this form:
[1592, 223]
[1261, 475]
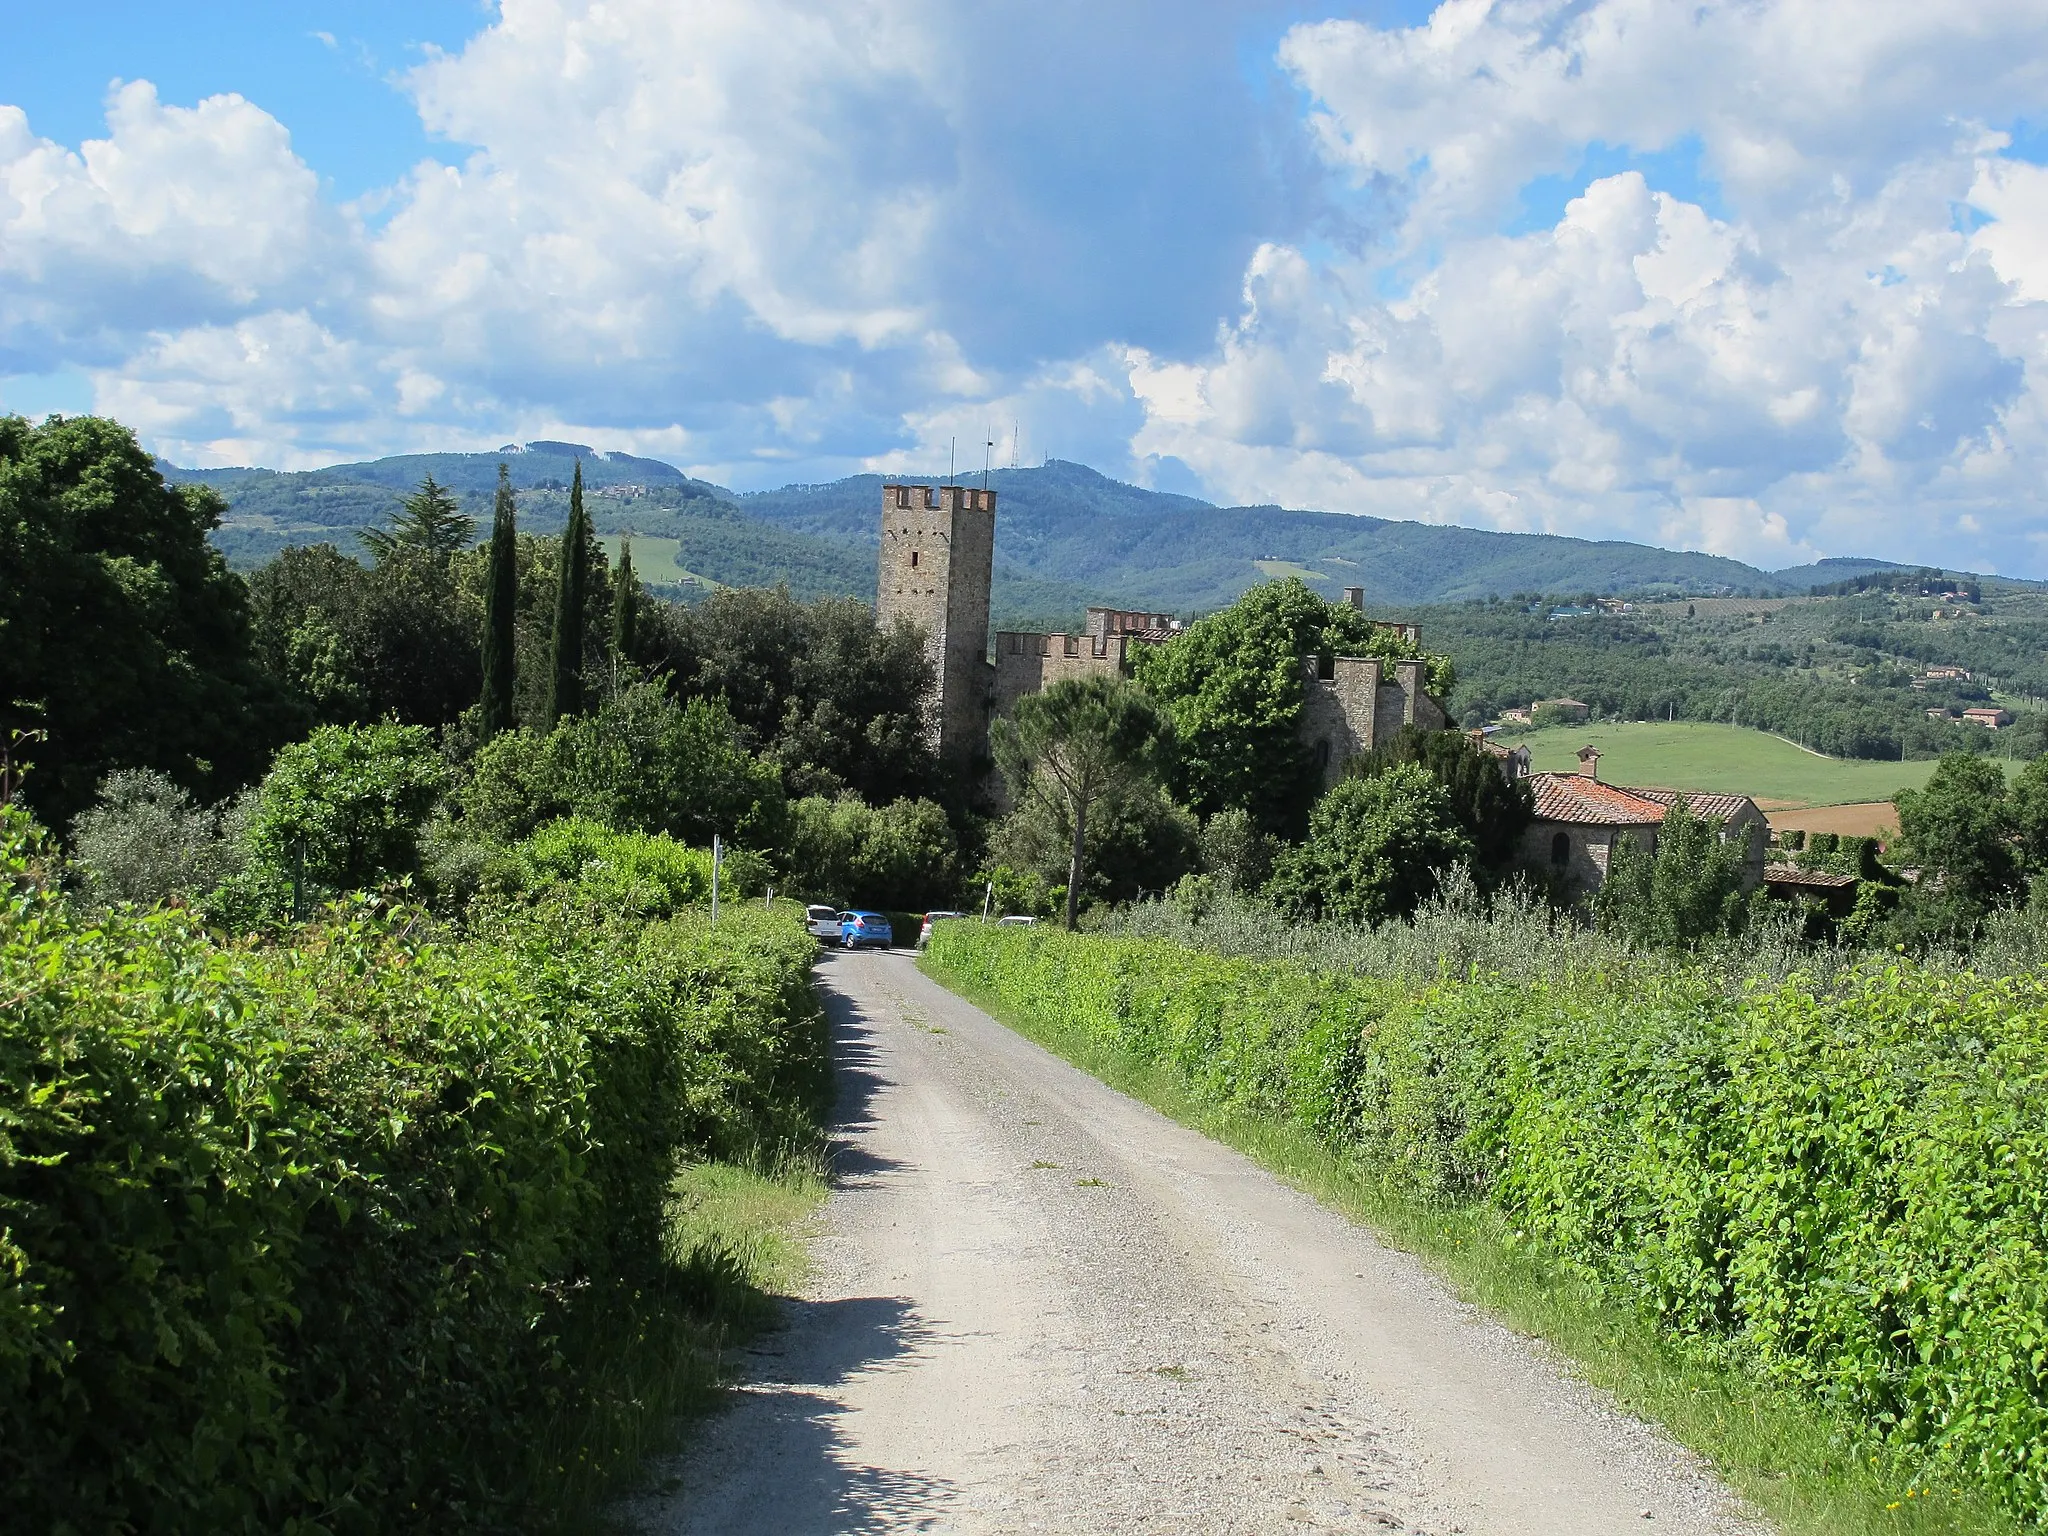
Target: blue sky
[1767, 279]
[327, 71]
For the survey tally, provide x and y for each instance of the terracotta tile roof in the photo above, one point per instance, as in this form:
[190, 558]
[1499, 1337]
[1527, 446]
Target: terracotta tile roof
[1710, 807]
[1792, 874]
[1576, 800]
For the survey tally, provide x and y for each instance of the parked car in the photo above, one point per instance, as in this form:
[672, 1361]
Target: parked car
[1017, 922]
[858, 928]
[822, 921]
[924, 934]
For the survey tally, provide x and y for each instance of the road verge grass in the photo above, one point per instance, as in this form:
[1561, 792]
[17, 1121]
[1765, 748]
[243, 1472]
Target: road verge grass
[1794, 1461]
[662, 1357]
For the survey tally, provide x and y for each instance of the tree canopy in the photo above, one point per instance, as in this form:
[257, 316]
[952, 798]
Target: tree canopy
[825, 691]
[1493, 812]
[430, 521]
[123, 635]
[1080, 744]
[1377, 847]
[1232, 685]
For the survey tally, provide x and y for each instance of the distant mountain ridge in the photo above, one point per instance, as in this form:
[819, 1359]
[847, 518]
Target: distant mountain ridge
[1066, 536]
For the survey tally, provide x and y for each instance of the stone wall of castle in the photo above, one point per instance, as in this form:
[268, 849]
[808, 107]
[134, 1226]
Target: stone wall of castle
[1350, 706]
[1030, 663]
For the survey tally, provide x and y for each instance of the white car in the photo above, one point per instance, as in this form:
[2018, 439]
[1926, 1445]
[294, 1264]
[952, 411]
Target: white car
[924, 934]
[823, 922]
[1016, 922]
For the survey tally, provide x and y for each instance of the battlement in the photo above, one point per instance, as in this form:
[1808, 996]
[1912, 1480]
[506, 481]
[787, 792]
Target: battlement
[1351, 704]
[1124, 621]
[944, 498]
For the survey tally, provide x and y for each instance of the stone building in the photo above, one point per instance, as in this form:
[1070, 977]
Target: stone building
[1351, 704]
[1579, 821]
[937, 563]
[1031, 663]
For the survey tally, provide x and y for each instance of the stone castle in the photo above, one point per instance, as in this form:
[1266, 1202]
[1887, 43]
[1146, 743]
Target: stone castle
[937, 566]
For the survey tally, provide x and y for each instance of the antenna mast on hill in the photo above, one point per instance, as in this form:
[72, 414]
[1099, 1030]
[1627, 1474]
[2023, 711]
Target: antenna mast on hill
[952, 453]
[1013, 442]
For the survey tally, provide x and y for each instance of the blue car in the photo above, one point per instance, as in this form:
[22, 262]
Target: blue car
[858, 928]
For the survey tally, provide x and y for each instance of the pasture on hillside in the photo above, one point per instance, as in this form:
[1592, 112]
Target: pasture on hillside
[1723, 759]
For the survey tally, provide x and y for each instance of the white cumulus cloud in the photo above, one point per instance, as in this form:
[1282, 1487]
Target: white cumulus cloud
[1759, 276]
[1828, 361]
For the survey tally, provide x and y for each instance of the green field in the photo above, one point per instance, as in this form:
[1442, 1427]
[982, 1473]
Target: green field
[1723, 759]
[654, 560]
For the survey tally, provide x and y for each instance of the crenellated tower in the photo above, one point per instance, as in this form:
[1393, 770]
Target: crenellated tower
[937, 562]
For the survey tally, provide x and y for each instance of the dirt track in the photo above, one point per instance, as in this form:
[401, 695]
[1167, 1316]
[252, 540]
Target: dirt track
[1040, 1306]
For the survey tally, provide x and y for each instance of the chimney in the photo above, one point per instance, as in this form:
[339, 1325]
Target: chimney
[1589, 763]
[1355, 598]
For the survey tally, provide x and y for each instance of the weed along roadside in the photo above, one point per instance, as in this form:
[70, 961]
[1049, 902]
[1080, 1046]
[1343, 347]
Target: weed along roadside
[1799, 1228]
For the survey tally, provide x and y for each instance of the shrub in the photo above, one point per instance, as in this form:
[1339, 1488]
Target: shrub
[642, 762]
[1688, 893]
[901, 856]
[145, 840]
[347, 806]
[1376, 848]
[294, 1237]
[1841, 1187]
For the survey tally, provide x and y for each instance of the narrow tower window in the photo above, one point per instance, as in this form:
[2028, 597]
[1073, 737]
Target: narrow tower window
[913, 557]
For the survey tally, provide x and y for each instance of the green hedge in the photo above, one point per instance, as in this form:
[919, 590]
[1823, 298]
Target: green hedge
[1847, 1192]
[291, 1237]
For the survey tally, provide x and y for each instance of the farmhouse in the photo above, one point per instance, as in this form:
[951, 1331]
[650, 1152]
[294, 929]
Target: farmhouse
[1990, 717]
[1579, 821]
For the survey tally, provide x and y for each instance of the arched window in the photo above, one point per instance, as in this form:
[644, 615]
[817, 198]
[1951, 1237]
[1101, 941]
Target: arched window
[1561, 849]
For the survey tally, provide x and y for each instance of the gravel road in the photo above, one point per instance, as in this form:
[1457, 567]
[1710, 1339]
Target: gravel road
[1040, 1306]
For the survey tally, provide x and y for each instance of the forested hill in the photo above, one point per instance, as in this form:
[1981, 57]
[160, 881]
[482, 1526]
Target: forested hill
[1066, 536]
[1066, 523]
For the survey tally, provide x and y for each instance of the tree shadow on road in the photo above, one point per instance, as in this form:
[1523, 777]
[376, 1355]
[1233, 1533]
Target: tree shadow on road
[857, 1079]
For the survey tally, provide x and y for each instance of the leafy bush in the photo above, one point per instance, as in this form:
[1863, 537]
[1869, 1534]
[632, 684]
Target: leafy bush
[295, 1238]
[1377, 847]
[630, 874]
[901, 856]
[347, 806]
[641, 762]
[1688, 893]
[145, 840]
[1841, 1187]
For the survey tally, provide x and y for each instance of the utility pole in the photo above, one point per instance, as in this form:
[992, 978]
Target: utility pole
[717, 856]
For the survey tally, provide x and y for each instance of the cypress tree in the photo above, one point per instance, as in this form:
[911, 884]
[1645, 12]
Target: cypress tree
[625, 602]
[565, 693]
[501, 604]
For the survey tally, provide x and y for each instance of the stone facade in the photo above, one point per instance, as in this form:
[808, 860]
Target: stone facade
[1028, 663]
[1350, 705]
[937, 563]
